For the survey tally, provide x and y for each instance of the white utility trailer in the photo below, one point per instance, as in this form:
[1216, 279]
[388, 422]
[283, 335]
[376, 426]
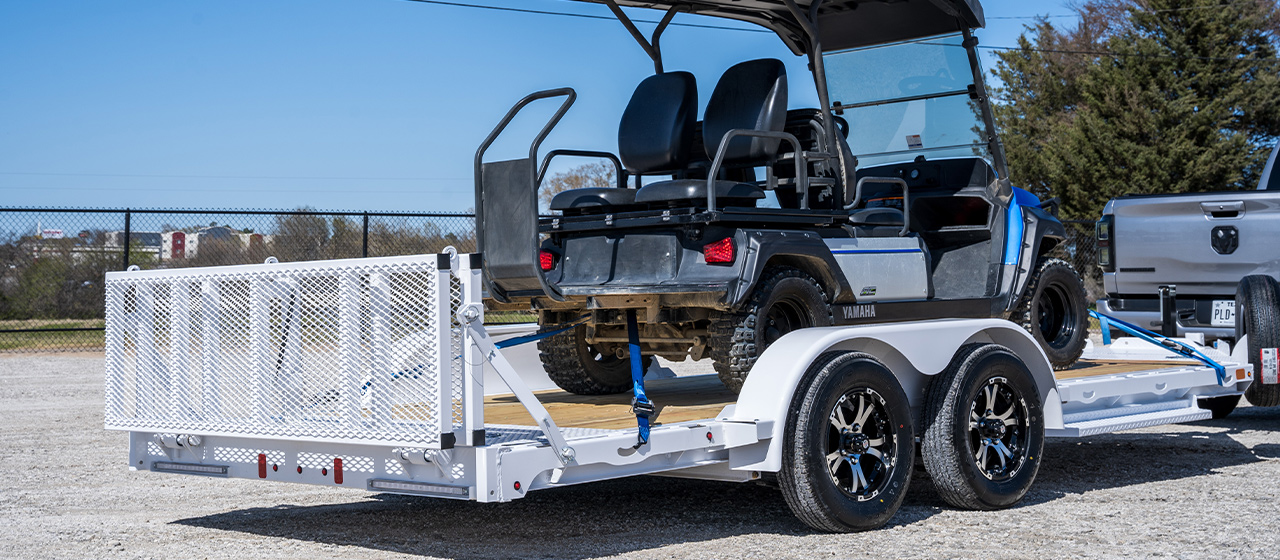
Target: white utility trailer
[369, 374]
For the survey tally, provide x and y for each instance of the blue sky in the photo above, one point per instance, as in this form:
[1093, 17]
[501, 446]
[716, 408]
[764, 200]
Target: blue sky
[332, 104]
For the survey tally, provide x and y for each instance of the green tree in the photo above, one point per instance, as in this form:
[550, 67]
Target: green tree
[1143, 96]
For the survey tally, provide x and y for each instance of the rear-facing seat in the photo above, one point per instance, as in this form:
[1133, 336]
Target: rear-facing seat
[750, 95]
[655, 136]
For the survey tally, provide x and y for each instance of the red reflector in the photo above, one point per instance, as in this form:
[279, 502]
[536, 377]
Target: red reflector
[262, 465]
[547, 260]
[720, 251]
[337, 470]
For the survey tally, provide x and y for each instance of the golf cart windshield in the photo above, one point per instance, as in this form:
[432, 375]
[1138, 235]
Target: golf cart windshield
[908, 99]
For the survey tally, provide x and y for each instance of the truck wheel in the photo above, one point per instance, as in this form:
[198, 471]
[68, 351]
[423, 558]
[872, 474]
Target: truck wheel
[1053, 309]
[1258, 315]
[984, 429]
[849, 449]
[1221, 407]
[580, 368]
[784, 299]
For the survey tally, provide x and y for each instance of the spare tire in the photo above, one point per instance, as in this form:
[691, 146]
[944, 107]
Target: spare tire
[1258, 316]
[1055, 311]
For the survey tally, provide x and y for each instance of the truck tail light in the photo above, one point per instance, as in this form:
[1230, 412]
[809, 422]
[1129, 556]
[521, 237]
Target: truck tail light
[547, 260]
[1104, 230]
[720, 251]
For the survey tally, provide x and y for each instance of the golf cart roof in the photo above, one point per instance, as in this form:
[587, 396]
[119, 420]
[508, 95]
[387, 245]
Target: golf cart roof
[842, 24]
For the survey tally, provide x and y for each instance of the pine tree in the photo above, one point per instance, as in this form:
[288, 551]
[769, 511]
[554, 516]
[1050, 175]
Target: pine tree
[1158, 96]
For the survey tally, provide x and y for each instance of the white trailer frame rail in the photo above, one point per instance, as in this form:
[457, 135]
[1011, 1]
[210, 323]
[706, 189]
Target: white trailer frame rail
[369, 373]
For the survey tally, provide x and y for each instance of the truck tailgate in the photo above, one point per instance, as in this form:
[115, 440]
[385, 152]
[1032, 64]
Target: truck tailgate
[1169, 240]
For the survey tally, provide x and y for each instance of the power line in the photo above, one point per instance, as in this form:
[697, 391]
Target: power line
[583, 16]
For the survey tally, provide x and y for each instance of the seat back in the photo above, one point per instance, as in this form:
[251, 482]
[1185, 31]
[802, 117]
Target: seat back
[750, 95]
[655, 134]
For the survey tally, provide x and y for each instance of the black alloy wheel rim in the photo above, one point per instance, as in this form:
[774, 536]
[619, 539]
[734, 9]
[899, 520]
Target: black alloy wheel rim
[861, 448]
[784, 316]
[998, 428]
[1056, 318]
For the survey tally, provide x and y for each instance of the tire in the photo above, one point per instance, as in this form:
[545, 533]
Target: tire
[823, 421]
[1258, 316]
[577, 367]
[1055, 311]
[784, 299]
[989, 464]
[1221, 407]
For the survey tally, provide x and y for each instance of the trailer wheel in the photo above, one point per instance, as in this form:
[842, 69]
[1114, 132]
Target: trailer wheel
[581, 368]
[984, 429]
[1258, 316]
[849, 449]
[1221, 407]
[1055, 311]
[784, 299]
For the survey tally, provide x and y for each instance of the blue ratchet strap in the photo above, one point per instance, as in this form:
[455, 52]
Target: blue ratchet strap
[640, 404]
[1161, 341]
[551, 331]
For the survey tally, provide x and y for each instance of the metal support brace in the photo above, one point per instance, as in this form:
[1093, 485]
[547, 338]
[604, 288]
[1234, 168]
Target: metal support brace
[471, 317]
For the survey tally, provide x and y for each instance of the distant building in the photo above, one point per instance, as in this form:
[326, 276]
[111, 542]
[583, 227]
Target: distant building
[173, 245]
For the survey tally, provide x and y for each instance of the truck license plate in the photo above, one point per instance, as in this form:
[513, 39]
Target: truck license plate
[1224, 314]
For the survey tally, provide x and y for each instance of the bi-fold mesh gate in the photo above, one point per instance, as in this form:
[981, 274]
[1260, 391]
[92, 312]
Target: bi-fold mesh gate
[360, 351]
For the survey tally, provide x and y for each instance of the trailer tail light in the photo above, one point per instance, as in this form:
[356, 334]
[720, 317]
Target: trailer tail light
[719, 252]
[1104, 230]
[418, 488]
[188, 468]
[547, 260]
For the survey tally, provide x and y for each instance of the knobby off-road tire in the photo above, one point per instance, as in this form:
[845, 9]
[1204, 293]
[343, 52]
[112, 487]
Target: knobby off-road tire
[577, 367]
[784, 299]
[849, 449]
[1258, 316]
[1055, 311]
[984, 429]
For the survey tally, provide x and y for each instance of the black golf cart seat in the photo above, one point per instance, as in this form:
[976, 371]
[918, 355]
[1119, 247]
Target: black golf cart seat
[655, 136]
[751, 95]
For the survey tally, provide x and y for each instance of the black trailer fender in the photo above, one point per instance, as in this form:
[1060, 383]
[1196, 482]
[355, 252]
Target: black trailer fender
[797, 249]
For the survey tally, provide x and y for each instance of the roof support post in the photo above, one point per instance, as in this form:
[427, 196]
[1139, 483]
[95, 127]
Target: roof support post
[807, 22]
[650, 46]
[1004, 187]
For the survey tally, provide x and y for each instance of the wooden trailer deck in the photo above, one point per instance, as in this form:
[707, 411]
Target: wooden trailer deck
[699, 398]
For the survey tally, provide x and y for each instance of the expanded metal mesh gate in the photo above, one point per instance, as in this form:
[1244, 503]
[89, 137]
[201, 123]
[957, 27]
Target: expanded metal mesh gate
[357, 350]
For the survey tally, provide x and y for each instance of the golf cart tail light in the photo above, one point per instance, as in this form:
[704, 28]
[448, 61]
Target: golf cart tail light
[419, 488]
[547, 260]
[720, 251]
[189, 468]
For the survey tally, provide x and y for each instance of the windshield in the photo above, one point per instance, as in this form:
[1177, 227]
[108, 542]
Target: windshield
[907, 99]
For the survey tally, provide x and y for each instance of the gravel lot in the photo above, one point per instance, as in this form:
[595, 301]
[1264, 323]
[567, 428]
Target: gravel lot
[1207, 490]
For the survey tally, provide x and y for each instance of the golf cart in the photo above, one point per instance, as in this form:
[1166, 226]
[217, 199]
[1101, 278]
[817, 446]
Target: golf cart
[889, 201]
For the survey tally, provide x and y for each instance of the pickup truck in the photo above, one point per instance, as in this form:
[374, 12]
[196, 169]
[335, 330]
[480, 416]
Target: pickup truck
[1172, 262]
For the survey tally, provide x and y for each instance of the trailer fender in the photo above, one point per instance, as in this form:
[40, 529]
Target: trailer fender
[913, 351]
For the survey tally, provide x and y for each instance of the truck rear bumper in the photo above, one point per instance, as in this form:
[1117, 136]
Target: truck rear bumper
[1150, 320]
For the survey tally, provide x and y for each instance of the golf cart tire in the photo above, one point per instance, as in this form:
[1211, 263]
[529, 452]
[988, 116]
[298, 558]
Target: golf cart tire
[815, 490]
[990, 381]
[1054, 309]
[1258, 317]
[786, 294]
[573, 365]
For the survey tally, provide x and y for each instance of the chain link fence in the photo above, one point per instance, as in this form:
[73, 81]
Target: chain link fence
[51, 292]
[54, 260]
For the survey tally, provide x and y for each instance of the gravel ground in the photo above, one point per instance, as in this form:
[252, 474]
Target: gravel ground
[1207, 490]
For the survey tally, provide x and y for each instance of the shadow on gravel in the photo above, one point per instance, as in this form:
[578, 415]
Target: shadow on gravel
[644, 513]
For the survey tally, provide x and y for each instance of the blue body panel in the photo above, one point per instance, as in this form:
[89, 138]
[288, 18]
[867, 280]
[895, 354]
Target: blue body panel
[1013, 230]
